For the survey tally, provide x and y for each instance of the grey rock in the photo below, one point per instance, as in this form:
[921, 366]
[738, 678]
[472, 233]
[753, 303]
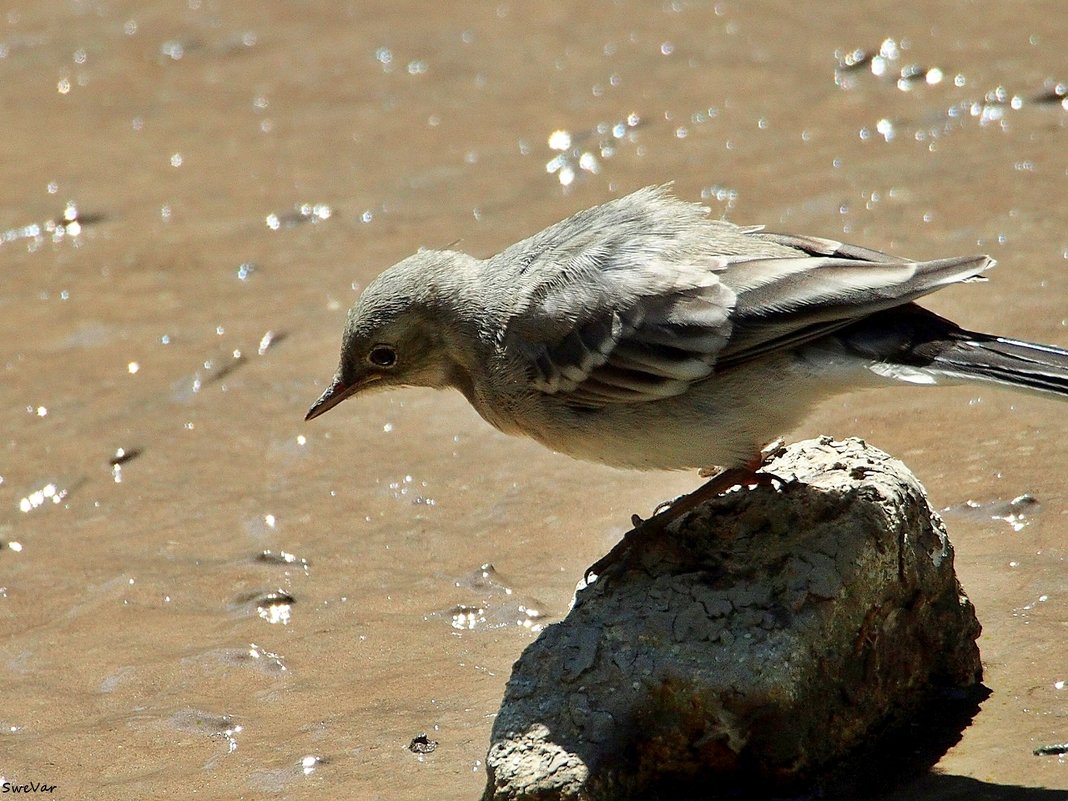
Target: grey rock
[761, 638]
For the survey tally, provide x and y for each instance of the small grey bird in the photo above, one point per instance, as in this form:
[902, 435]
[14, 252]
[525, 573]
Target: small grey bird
[642, 334]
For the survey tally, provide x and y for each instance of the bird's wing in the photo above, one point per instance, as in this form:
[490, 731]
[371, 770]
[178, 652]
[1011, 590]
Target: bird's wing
[611, 306]
[637, 302]
[651, 347]
[785, 302]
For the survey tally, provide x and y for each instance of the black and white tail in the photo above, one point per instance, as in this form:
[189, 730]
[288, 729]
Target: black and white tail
[1023, 365]
[912, 344]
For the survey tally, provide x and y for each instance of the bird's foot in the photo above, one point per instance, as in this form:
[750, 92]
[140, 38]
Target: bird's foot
[669, 511]
[720, 483]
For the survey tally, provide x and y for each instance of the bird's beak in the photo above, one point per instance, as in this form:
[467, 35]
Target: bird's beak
[336, 393]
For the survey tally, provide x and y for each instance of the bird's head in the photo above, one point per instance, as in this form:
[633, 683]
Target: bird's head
[397, 331]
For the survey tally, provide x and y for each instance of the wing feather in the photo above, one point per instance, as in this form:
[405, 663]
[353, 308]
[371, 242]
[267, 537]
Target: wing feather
[639, 298]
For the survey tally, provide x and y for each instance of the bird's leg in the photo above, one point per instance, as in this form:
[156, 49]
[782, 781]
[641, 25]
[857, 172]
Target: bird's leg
[719, 483]
[722, 481]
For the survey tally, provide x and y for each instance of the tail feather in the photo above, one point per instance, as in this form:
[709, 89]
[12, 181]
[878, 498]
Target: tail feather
[1025, 365]
[913, 344]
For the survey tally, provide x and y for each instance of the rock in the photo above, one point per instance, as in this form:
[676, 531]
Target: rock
[762, 638]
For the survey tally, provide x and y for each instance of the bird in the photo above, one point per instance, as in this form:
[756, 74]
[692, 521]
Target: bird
[642, 333]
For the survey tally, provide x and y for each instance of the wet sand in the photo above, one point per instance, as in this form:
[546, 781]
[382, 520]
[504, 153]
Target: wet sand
[183, 178]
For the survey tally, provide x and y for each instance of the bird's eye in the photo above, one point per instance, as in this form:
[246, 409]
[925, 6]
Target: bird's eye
[382, 356]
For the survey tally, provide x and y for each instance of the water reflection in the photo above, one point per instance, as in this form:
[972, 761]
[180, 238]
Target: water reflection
[274, 606]
[301, 214]
[1017, 512]
[67, 226]
[216, 726]
[499, 606]
[885, 64]
[583, 152]
[50, 494]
